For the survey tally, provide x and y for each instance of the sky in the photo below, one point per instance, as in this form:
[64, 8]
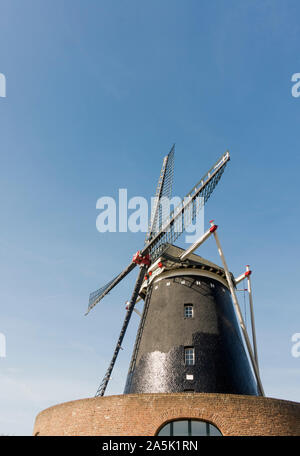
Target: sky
[96, 94]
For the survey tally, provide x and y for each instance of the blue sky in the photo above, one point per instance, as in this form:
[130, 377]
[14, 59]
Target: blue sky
[97, 92]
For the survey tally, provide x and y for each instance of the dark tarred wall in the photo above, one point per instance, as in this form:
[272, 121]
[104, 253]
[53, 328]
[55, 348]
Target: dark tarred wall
[221, 364]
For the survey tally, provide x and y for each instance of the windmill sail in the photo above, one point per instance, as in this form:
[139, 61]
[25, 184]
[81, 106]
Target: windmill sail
[187, 211]
[163, 190]
[97, 295]
[103, 385]
[174, 226]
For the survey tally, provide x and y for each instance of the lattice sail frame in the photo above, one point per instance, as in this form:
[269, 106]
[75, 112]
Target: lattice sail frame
[163, 190]
[186, 212]
[187, 209]
[97, 295]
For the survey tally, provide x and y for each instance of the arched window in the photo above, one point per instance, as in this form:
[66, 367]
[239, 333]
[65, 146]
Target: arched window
[189, 428]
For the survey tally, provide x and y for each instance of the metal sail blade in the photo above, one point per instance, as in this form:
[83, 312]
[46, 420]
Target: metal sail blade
[103, 385]
[176, 223]
[163, 190]
[99, 294]
[186, 212]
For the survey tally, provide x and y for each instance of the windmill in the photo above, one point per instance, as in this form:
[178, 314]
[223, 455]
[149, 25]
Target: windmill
[163, 231]
[192, 343]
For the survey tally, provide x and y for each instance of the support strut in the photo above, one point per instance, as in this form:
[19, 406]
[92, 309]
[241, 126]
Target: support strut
[253, 357]
[252, 316]
[239, 314]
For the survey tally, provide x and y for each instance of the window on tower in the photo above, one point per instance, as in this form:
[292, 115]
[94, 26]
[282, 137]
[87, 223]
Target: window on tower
[189, 356]
[188, 311]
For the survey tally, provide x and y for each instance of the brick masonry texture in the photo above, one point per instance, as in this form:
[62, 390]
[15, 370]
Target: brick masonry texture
[144, 414]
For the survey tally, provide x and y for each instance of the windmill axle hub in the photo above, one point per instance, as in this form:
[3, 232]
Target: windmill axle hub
[138, 258]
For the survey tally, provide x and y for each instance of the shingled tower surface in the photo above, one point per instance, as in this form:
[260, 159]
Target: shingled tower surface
[189, 337]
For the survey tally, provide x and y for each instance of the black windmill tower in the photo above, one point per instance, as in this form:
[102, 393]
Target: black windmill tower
[191, 336]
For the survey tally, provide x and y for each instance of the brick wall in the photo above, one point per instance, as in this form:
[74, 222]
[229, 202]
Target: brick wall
[144, 414]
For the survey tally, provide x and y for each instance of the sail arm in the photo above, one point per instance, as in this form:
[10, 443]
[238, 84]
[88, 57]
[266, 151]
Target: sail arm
[163, 190]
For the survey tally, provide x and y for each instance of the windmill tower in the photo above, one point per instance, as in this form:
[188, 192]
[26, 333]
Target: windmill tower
[194, 370]
[188, 339]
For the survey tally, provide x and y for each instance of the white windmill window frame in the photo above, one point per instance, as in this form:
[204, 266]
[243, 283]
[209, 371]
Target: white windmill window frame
[189, 356]
[188, 310]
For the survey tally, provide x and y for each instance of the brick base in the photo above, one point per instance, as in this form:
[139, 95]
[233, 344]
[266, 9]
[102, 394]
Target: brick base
[144, 414]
